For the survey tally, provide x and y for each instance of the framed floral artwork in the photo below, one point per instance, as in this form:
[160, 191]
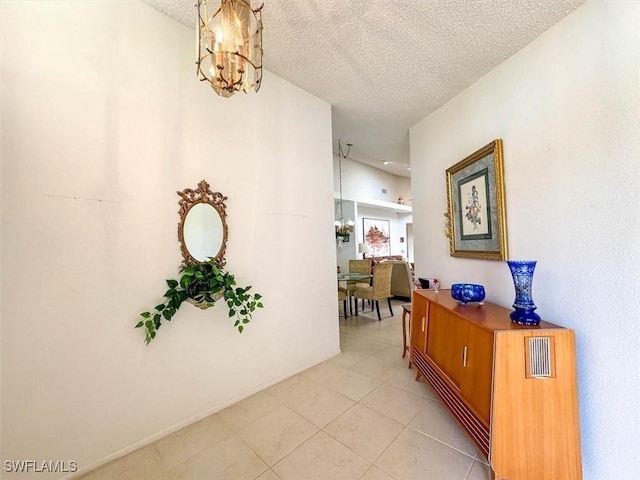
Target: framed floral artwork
[377, 236]
[476, 205]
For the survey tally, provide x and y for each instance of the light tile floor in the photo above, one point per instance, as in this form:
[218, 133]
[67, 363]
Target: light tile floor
[359, 415]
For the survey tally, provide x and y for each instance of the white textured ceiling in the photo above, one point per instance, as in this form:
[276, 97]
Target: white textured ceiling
[384, 65]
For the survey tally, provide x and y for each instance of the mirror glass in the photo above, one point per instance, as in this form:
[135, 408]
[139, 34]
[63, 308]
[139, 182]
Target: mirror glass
[203, 231]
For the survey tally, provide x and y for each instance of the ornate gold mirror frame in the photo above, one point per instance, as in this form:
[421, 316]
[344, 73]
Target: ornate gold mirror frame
[202, 195]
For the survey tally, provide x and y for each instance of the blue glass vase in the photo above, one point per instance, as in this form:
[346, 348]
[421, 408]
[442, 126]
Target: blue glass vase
[522, 273]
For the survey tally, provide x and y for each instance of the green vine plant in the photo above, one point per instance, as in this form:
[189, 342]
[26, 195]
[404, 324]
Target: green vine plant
[202, 284]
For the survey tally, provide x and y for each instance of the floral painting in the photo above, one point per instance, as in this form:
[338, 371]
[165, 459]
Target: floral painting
[474, 216]
[377, 236]
[473, 208]
[476, 224]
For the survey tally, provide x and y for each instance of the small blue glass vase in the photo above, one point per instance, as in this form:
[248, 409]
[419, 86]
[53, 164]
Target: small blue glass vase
[522, 273]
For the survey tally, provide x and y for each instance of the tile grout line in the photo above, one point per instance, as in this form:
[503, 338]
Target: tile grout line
[407, 426]
[333, 438]
[371, 463]
[256, 453]
[387, 448]
[443, 443]
[323, 384]
[466, 477]
[340, 441]
[404, 427]
[373, 336]
[165, 470]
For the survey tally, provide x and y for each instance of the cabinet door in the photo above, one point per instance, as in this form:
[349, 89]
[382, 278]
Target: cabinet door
[419, 322]
[477, 369]
[445, 341]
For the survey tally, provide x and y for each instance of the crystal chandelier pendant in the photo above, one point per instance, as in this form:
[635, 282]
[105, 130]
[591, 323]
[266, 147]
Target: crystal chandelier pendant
[229, 45]
[343, 228]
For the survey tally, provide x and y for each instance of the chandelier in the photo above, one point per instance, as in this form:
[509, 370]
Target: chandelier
[343, 228]
[229, 45]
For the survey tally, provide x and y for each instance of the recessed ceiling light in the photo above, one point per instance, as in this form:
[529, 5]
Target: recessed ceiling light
[409, 168]
[386, 163]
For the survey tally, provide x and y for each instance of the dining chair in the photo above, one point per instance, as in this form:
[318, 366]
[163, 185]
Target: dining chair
[358, 266]
[379, 290]
[342, 297]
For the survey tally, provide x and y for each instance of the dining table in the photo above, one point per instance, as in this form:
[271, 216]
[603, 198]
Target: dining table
[349, 277]
[345, 277]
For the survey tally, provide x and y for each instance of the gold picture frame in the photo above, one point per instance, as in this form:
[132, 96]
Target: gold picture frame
[476, 205]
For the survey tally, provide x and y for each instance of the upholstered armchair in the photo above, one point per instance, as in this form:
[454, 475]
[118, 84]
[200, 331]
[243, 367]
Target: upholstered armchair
[379, 290]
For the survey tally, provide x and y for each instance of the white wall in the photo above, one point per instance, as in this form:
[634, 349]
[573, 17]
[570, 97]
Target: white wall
[357, 212]
[103, 120]
[566, 107]
[363, 182]
[397, 226]
[360, 181]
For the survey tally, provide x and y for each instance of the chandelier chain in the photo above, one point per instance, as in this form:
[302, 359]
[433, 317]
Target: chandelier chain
[343, 229]
[341, 155]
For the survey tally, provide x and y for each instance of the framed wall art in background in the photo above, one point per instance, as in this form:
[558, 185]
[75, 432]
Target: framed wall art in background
[377, 236]
[476, 205]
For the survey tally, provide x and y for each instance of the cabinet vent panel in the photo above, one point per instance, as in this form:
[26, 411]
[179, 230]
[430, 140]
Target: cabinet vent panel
[540, 357]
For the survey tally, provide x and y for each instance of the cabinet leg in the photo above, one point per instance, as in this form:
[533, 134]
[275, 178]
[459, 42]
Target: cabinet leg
[418, 375]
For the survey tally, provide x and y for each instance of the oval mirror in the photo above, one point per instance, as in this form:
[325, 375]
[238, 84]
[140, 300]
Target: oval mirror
[202, 230]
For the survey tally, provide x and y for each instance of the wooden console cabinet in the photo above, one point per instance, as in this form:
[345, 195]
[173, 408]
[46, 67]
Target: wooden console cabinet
[512, 388]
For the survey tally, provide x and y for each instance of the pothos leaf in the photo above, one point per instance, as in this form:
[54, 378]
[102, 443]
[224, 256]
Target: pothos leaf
[201, 280]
